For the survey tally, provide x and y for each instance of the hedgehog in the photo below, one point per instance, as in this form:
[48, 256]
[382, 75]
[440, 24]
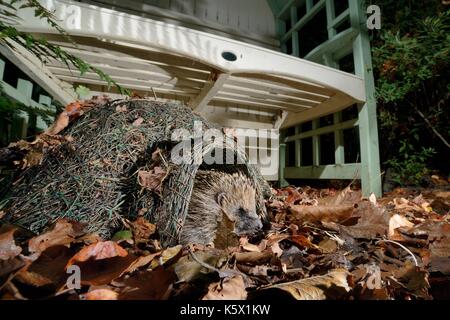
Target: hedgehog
[222, 209]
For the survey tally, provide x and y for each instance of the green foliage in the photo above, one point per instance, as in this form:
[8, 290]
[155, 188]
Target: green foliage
[404, 62]
[409, 166]
[40, 46]
[82, 91]
[43, 50]
[411, 67]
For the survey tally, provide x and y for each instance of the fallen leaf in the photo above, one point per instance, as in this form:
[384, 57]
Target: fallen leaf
[167, 256]
[187, 269]
[98, 251]
[121, 109]
[331, 285]
[434, 230]
[248, 246]
[275, 247]
[414, 279]
[8, 247]
[147, 285]
[317, 214]
[60, 124]
[138, 122]
[63, 232]
[373, 222]
[151, 180]
[293, 196]
[254, 258]
[327, 246]
[302, 241]
[10, 265]
[101, 294]
[373, 199]
[440, 256]
[48, 268]
[228, 289]
[141, 262]
[142, 229]
[397, 221]
[346, 197]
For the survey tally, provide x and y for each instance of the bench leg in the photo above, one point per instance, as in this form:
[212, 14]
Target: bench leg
[282, 165]
[368, 130]
[370, 160]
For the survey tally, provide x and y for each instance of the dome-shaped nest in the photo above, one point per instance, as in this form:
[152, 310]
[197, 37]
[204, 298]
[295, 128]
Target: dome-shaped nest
[97, 177]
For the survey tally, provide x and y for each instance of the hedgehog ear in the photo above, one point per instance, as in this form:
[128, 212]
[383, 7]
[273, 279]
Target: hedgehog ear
[220, 196]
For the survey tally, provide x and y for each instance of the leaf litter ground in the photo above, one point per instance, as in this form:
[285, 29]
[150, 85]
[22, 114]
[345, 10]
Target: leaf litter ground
[323, 244]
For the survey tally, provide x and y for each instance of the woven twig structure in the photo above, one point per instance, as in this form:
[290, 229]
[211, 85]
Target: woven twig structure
[93, 179]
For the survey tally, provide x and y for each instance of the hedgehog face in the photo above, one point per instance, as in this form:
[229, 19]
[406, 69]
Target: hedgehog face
[239, 206]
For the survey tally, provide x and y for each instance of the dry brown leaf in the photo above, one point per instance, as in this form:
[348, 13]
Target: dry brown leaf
[151, 180]
[435, 230]
[373, 222]
[302, 241]
[121, 109]
[138, 122]
[34, 151]
[346, 197]
[248, 246]
[187, 269]
[167, 256]
[414, 279]
[440, 256]
[101, 294]
[319, 287]
[98, 251]
[141, 262]
[10, 265]
[328, 246]
[254, 258]
[147, 285]
[276, 238]
[60, 124]
[142, 229]
[317, 214]
[63, 232]
[47, 269]
[293, 196]
[228, 289]
[398, 221]
[8, 247]
[275, 247]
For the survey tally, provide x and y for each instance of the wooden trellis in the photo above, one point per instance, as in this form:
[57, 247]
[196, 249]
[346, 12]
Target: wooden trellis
[21, 123]
[342, 41]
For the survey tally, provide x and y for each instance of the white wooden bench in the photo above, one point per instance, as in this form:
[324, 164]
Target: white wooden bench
[234, 83]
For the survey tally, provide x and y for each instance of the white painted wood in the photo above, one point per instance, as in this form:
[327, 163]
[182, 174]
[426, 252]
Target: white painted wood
[262, 89]
[200, 102]
[336, 103]
[80, 19]
[36, 70]
[248, 20]
[281, 119]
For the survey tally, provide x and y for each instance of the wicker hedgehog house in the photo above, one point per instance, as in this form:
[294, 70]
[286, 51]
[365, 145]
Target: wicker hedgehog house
[93, 179]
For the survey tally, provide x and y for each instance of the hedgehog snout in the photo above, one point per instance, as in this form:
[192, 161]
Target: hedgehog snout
[247, 223]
